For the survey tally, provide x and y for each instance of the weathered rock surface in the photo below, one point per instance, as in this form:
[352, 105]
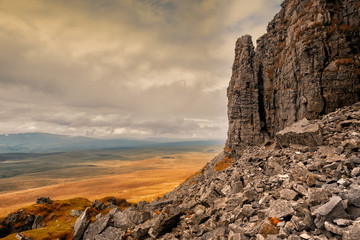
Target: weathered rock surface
[306, 65]
[44, 200]
[81, 224]
[271, 191]
[291, 165]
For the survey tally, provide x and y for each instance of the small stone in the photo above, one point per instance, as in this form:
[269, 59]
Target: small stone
[114, 210]
[259, 237]
[97, 227]
[300, 189]
[268, 229]
[289, 227]
[343, 222]
[311, 180]
[20, 236]
[111, 233]
[300, 172]
[355, 160]
[305, 236]
[75, 213]
[281, 224]
[288, 194]
[355, 172]
[341, 181]
[354, 212]
[328, 207]
[294, 237]
[352, 232]
[81, 224]
[280, 208]
[329, 211]
[37, 222]
[44, 200]
[318, 196]
[98, 205]
[333, 228]
[247, 210]
[354, 196]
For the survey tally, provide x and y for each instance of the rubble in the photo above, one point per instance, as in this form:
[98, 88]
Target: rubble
[281, 203]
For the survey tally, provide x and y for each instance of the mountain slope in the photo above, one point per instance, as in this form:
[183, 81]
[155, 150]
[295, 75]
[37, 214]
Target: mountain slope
[291, 165]
[309, 188]
[283, 173]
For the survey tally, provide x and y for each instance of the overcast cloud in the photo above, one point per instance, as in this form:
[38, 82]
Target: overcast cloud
[121, 68]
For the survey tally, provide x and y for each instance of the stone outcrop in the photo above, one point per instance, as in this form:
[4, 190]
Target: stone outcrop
[291, 165]
[272, 191]
[306, 65]
[23, 221]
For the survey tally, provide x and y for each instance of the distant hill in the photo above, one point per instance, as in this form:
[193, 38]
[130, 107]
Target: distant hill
[45, 142]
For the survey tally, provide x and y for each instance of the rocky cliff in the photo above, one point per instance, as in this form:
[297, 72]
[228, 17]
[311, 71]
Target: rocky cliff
[291, 164]
[306, 65]
[296, 191]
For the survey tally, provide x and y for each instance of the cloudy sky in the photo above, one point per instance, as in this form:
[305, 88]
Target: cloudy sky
[121, 68]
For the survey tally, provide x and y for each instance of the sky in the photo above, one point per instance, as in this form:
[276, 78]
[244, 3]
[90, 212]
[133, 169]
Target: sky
[122, 68]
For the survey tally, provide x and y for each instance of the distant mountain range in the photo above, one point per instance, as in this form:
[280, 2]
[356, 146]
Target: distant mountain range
[45, 142]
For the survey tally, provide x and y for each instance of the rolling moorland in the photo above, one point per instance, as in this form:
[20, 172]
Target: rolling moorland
[132, 173]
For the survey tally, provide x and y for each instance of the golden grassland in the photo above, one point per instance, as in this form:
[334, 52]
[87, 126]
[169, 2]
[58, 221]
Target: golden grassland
[57, 218]
[161, 175]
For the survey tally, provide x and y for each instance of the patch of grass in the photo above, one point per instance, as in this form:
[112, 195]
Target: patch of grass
[57, 219]
[201, 171]
[120, 202]
[227, 149]
[224, 164]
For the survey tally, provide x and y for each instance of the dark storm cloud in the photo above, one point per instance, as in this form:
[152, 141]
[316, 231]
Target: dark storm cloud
[129, 68]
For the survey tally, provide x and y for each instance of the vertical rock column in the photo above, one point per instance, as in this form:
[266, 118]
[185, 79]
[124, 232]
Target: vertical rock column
[243, 105]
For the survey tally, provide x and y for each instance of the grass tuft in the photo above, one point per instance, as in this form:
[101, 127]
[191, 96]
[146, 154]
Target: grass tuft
[224, 164]
[57, 219]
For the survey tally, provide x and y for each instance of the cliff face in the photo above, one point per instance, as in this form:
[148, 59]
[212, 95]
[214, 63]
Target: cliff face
[305, 66]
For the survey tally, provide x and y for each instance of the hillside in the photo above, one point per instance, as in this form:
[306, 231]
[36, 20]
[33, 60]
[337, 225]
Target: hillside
[304, 184]
[290, 168]
[283, 174]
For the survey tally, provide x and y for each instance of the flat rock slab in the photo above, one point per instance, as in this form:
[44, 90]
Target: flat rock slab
[302, 132]
[280, 209]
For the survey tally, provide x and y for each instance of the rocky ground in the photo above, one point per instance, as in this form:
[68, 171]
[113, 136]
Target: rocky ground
[303, 185]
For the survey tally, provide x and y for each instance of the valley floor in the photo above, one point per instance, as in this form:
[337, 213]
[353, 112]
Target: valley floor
[161, 175]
